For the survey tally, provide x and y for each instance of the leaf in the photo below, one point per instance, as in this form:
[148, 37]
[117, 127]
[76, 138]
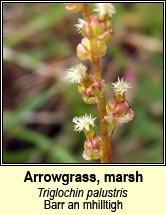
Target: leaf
[15, 118]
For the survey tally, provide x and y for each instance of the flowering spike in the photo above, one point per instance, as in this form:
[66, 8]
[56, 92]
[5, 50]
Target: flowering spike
[96, 30]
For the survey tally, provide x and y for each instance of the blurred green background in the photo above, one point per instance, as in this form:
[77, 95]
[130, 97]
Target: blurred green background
[39, 41]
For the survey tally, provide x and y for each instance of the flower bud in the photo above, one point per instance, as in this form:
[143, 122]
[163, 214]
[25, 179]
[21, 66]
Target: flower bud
[100, 29]
[92, 148]
[106, 35]
[84, 50]
[91, 89]
[118, 112]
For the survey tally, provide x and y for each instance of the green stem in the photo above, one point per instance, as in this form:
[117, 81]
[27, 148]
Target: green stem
[106, 146]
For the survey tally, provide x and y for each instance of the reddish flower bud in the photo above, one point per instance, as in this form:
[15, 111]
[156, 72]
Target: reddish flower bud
[106, 35]
[92, 148]
[91, 89]
[119, 112]
[84, 49]
[101, 30]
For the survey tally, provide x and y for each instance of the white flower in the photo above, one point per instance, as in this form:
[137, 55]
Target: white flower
[80, 25]
[83, 123]
[104, 9]
[121, 87]
[76, 74]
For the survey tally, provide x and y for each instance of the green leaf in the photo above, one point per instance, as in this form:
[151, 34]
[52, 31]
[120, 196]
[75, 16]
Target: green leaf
[15, 118]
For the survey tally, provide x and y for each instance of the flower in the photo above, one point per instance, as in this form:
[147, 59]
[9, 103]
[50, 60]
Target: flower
[84, 49]
[104, 9]
[83, 123]
[91, 89]
[118, 112]
[77, 74]
[92, 148]
[121, 87]
[80, 25]
[100, 29]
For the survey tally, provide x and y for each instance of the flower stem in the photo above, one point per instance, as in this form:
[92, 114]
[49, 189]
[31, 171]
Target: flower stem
[106, 146]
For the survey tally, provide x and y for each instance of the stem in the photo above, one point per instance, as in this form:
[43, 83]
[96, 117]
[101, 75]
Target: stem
[106, 146]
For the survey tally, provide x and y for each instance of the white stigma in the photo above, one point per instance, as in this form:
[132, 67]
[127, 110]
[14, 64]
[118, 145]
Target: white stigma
[76, 74]
[104, 9]
[83, 123]
[80, 25]
[121, 87]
